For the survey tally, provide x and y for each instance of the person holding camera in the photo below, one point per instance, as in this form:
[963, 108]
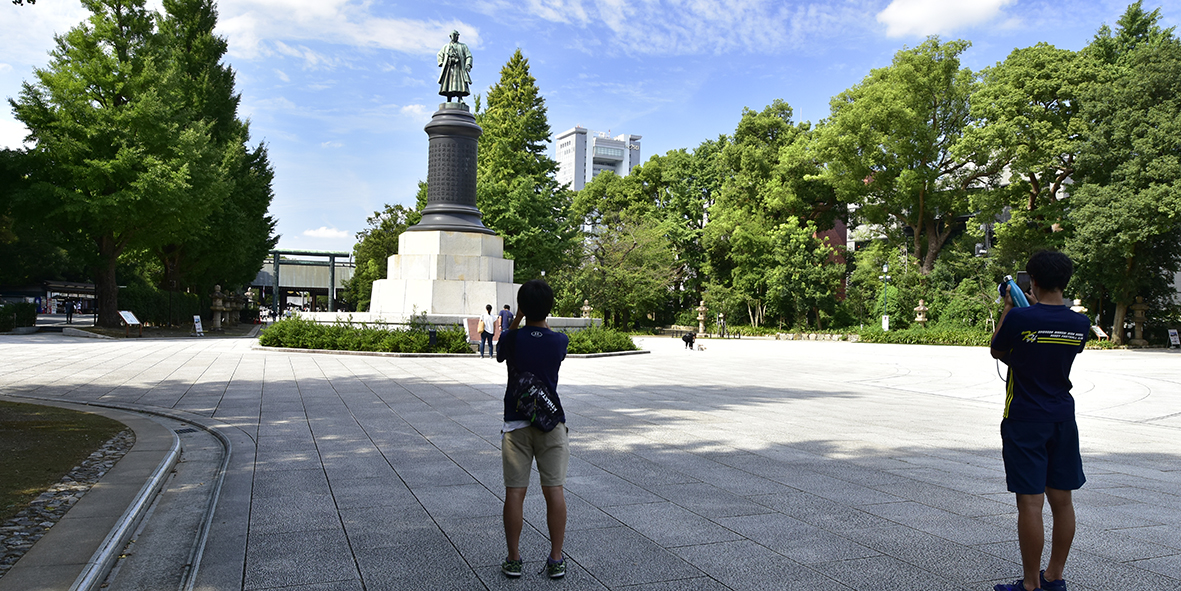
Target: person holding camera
[1039, 436]
[537, 350]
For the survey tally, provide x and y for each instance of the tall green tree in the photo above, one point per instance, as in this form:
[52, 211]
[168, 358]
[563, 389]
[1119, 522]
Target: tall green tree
[375, 245]
[516, 188]
[123, 164]
[1126, 210]
[804, 280]
[229, 245]
[769, 179]
[1134, 28]
[891, 146]
[627, 267]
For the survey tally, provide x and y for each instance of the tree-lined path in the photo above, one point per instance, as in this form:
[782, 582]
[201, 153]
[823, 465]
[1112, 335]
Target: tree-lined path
[753, 464]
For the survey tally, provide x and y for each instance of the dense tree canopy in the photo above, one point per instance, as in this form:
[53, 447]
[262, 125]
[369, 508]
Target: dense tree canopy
[1127, 203]
[892, 146]
[118, 158]
[516, 189]
[139, 166]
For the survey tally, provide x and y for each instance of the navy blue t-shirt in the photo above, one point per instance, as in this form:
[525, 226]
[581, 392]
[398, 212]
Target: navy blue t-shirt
[537, 350]
[506, 318]
[1041, 342]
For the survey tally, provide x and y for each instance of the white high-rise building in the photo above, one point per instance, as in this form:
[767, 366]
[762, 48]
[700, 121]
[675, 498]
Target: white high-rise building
[582, 154]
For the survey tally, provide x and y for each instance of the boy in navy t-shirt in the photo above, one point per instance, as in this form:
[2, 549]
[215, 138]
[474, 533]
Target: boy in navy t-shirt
[1039, 433]
[540, 351]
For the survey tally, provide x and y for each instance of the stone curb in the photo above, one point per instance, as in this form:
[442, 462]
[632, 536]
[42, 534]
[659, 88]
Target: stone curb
[52, 561]
[258, 347]
[75, 332]
[609, 354]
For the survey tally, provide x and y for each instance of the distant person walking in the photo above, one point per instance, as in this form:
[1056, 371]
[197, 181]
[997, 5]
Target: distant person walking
[1039, 436]
[506, 319]
[487, 331]
[69, 306]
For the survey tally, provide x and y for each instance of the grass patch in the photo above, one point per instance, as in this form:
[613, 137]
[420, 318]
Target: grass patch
[40, 444]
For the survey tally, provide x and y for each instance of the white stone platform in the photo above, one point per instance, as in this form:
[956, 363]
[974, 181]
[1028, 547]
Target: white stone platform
[445, 273]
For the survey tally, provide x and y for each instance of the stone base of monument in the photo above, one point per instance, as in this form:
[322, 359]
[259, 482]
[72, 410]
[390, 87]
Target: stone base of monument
[445, 273]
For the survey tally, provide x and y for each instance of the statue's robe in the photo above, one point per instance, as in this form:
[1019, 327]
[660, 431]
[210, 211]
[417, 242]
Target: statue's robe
[456, 61]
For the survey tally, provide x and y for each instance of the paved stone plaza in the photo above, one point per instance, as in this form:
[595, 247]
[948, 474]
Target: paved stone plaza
[751, 465]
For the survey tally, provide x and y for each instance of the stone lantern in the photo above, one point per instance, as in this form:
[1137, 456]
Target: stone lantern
[586, 308]
[1079, 307]
[217, 306]
[1138, 320]
[920, 314]
[701, 310]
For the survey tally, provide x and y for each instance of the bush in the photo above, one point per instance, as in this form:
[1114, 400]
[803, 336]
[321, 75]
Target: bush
[17, 314]
[150, 305]
[299, 333]
[597, 339]
[929, 336]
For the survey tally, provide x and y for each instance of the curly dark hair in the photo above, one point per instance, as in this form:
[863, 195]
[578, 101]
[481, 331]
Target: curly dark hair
[535, 299]
[1050, 269]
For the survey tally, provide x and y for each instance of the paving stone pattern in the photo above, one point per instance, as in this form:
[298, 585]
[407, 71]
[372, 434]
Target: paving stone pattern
[751, 465]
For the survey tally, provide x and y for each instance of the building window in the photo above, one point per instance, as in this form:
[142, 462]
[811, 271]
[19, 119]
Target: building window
[612, 152]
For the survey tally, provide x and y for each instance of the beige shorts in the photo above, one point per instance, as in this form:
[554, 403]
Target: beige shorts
[518, 449]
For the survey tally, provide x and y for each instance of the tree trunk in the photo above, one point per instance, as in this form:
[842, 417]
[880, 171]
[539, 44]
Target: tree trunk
[106, 289]
[1117, 328]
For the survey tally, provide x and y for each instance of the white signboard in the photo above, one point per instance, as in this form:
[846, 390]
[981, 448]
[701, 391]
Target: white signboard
[197, 325]
[886, 323]
[129, 317]
[1099, 332]
[1173, 338]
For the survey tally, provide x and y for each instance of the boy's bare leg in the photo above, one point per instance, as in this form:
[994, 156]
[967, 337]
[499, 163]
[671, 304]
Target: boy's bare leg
[555, 518]
[1062, 507]
[1031, 535]
[514, 518]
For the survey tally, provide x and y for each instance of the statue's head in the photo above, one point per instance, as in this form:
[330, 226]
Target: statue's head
[454, 36]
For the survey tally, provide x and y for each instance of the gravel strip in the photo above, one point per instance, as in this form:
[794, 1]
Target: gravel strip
[25, 528]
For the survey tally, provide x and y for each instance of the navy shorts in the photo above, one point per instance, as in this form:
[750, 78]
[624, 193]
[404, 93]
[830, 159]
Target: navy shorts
[1041, 455]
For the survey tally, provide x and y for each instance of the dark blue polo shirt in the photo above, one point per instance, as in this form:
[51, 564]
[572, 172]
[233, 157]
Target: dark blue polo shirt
[1040, 343]
[539, 351]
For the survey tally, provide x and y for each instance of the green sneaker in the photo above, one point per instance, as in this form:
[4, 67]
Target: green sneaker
[554, 569]
[511, 568]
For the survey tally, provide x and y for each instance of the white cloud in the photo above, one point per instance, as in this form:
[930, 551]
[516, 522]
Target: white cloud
[905, 18]
[282, 75]
[12, 133]
[326, 232]
[252, 26]
[5, 68]
[331, 145]
[687, 27]
[28, 30]
[416, 112]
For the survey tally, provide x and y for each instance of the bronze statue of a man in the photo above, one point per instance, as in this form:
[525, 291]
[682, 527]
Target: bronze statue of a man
[456, 61]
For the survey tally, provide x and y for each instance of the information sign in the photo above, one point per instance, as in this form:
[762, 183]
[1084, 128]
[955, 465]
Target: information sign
[1174, 340]
[197, 325]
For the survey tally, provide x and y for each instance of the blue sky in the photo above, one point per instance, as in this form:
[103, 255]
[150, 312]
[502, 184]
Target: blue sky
[340, 89]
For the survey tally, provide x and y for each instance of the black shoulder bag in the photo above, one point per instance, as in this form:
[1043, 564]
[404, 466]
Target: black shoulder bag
[534, 398]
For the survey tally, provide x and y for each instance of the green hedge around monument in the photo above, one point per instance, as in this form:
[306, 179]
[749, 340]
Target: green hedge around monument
[298, 333]
[596, 339]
